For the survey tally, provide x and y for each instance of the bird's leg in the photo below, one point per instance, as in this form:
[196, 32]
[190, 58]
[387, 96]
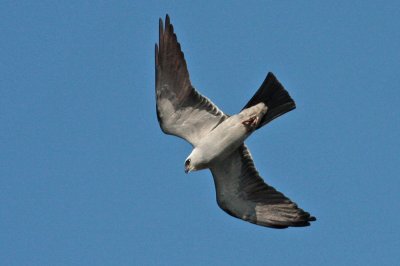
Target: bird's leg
[251, 123]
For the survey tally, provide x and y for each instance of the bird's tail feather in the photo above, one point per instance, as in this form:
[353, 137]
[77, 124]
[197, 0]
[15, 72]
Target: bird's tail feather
[274, 96]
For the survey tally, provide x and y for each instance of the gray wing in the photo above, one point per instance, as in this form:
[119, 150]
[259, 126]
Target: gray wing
[242, 193]
[181, 110]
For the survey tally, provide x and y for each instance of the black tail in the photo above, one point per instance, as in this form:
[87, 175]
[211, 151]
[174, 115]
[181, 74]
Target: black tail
[274, 96]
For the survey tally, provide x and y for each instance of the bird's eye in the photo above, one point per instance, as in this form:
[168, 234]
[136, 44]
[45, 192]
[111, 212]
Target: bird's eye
[187, 162]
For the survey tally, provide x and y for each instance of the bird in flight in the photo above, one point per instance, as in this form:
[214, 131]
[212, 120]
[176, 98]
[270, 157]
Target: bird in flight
[218, 138]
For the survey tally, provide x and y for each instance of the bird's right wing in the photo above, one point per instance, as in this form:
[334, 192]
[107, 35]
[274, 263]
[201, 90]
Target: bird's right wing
[181, 110]
[242, 193]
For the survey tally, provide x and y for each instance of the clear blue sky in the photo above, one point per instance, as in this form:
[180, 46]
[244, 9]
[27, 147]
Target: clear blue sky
[88, 178]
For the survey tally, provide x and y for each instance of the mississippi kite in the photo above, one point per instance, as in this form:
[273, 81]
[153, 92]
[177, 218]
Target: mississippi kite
[218, 139]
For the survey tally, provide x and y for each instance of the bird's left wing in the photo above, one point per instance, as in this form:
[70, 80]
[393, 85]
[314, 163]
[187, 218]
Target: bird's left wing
[242, 193]
[181, 110]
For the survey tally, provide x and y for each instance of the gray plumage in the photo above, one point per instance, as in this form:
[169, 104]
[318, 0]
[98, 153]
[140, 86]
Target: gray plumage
[218, 139]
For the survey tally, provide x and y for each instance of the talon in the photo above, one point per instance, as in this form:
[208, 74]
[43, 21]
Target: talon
[255, 122]
[251, 122]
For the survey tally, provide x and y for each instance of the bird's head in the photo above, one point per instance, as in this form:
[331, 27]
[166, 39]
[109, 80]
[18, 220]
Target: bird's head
[195, 161]
[188, 165]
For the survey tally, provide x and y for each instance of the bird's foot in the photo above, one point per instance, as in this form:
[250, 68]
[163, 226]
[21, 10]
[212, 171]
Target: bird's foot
[251, 123]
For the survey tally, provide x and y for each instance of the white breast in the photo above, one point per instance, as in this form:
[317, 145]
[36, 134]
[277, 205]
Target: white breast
[223, 140]
[226, 137]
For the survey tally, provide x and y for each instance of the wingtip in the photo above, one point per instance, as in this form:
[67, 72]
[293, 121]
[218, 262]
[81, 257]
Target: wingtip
[167, 27]
[160, 30]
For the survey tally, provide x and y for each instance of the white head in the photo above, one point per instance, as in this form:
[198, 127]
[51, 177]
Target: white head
[195, 161]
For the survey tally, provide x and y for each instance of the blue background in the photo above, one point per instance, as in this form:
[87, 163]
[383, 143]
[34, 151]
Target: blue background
[88, 178]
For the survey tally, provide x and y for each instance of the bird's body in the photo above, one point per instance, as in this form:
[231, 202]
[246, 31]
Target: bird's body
[226, 137]
[218, 139]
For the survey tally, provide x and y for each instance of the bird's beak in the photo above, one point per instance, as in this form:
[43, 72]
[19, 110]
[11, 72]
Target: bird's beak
[189, 169]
